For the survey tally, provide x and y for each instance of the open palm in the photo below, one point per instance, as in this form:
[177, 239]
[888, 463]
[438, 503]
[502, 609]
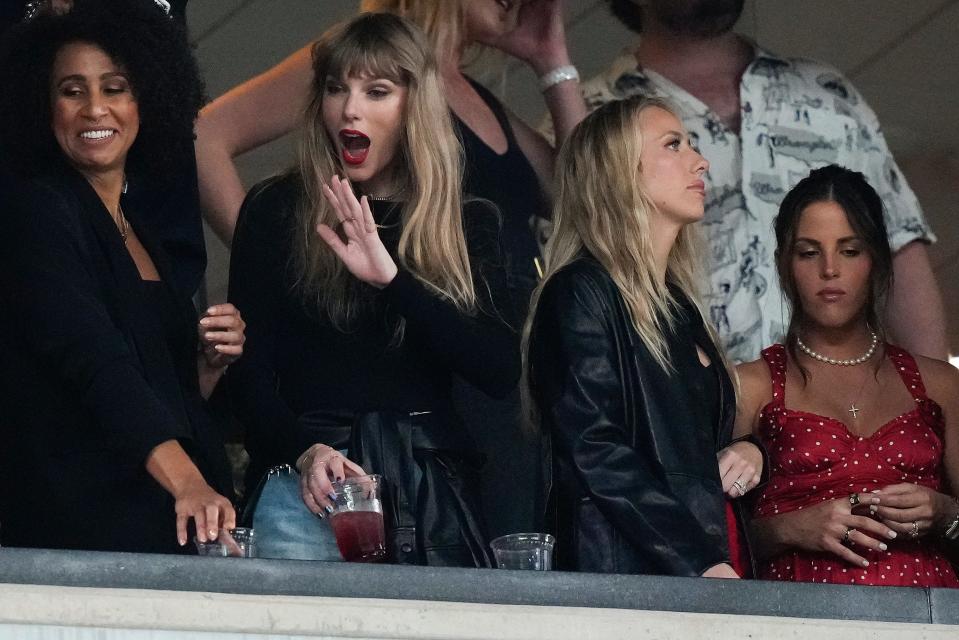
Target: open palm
[363, 253]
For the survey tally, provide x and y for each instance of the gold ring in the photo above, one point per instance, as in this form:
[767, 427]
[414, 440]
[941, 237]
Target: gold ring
[845, 536]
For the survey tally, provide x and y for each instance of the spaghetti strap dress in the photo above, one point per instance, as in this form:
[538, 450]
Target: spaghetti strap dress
[815, 458]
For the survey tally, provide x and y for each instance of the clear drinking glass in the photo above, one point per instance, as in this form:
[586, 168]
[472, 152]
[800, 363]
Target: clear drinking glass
[237, 543]
[529, 551]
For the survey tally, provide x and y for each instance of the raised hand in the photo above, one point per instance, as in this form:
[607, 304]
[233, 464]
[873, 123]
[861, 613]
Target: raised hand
[539, 38]
[363, 253]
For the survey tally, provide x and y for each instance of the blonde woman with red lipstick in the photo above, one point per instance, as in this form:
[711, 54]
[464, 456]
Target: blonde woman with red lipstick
[506, 162]
[370, 284]
[862, 436]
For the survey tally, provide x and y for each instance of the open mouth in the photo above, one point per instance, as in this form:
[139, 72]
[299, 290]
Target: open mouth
[356, 146]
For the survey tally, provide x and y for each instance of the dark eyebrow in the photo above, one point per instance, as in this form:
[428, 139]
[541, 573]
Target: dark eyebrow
[80, 78]
[817, 243]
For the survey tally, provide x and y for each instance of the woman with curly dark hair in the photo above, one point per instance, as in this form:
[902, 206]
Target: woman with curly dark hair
[106, 443]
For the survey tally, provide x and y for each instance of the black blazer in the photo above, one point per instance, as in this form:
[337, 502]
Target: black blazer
[636, 481]
[89, 382]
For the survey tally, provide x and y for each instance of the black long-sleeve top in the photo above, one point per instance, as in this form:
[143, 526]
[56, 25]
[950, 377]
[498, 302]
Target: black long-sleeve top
[296, 362]
[636, 480]
[97, 367]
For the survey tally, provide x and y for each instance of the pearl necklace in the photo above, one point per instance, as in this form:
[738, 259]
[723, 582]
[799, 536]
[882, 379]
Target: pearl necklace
[850, 362]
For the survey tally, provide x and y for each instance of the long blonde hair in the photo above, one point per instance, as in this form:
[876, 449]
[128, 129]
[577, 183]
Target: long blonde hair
[431, 245]
[602, 207]
[443, 21]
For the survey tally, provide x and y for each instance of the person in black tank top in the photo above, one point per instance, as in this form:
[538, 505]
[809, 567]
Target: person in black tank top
[509, 181]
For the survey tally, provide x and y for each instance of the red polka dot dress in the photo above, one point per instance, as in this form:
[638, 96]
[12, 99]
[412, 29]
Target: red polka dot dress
[815, 458]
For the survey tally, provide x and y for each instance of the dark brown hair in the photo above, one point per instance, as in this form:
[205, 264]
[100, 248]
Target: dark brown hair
[864, 210]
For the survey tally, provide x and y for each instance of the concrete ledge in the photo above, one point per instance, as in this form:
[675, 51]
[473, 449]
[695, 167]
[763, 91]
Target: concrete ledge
[69, 612]
[554, 589]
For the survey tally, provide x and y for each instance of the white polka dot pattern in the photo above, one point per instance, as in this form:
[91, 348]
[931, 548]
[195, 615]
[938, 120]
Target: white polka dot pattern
[815, 458]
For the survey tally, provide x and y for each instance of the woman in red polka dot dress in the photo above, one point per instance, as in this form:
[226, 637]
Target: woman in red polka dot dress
[861, 435]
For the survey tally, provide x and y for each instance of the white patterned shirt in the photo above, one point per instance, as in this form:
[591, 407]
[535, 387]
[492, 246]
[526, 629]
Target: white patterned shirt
[797, 115]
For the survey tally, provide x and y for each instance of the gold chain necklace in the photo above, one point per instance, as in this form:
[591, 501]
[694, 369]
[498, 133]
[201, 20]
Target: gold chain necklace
[121, 222]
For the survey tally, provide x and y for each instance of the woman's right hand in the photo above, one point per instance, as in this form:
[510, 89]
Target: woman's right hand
[319, 467]
[210, 511]
[194, 498]
[834, 526]
[539, 37]
[363, 253]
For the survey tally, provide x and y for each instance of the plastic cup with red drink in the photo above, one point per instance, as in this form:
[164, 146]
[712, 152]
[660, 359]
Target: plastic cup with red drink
[357, 519]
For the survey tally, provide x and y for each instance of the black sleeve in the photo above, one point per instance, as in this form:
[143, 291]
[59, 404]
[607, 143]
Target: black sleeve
[257, 289]
[483, 348]
[58, 311]
[579, 390]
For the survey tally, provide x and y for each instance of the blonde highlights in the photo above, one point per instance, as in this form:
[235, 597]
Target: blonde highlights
[443, 21]
[431, 246]
[602, 207]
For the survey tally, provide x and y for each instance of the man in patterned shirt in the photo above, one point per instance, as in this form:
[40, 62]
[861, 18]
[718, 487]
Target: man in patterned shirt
[764, 122]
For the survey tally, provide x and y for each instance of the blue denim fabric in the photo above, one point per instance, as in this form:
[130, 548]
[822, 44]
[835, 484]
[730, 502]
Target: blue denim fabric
[285, 528]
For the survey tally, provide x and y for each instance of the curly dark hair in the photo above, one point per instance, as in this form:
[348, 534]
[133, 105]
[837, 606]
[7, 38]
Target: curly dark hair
[864, 210]
[136, 34]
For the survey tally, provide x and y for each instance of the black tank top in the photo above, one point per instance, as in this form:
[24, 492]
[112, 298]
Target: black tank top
[509, 182]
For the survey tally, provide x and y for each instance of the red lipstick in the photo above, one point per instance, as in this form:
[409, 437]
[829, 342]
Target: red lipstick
[355, 146]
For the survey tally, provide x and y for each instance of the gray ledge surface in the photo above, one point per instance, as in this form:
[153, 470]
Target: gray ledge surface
[485, 586]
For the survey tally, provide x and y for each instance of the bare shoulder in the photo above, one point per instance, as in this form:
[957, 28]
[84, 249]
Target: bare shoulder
[755, 383]
[754, 392]
[940, 378]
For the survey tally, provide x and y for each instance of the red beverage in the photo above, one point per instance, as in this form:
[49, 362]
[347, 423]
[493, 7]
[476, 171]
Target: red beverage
[359, 535]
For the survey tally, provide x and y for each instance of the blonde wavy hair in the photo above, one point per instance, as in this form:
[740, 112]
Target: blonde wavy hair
[443, 21]
[431, 245]
[602, 207]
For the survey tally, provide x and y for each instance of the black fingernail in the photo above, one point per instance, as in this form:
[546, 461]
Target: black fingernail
[329, 509]
[332, 496]
[319, 515]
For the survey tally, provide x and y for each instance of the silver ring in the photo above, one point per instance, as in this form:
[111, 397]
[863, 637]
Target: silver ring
[854, 499]
[914, 531]
[740, 486]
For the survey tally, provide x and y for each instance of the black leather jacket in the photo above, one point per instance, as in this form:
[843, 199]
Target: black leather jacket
[636, 486]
